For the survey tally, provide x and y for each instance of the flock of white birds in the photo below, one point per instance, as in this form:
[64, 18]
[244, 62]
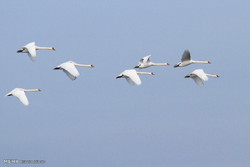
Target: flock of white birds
[130, 75]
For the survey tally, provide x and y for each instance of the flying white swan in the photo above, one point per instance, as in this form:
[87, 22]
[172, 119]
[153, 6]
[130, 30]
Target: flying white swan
[31, 48]
[70, 69]
[132, 76]
[186, 60]
[145, 62]
[199, 76]
[20, 94]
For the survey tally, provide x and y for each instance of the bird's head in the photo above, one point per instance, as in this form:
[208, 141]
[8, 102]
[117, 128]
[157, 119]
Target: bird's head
[177, 65]
[20, 51]
[119, 76]
[57, 68]
[9, 94]
[190, 76]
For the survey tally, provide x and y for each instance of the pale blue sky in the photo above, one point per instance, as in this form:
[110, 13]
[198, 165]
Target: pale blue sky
[97, 120]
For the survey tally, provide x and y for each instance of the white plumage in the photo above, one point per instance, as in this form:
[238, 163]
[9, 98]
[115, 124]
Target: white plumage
[145, 62]
[31, 48]
[199, 76]
[20, 94]
[132, 76]
[69, 68]
[186, 60]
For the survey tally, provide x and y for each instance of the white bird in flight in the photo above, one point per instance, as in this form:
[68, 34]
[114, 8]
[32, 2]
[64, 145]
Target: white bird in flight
[145, 62]
[186, 60]
[69, 68]
[132, 76]
[20, 94]
[199, 76]
[31, 48]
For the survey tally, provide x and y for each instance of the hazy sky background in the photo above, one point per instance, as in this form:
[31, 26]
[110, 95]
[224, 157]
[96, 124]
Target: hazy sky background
[98, 120]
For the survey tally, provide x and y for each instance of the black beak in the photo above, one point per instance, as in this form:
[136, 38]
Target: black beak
[118, 77]
[19, 51]
[136, 67]
[177, 65]
[187, 76]
[57, 68]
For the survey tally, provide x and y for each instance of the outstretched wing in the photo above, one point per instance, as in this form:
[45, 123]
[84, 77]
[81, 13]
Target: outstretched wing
[198, 81]
[132, 77]
[72, 77]
[70, 70]
[201, 74]
[186, 56]
[145, 59]
[31, 50]
[130, 81]
[21, 96]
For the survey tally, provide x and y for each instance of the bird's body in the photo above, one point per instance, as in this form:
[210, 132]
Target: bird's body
[186, 60]
[145, 62]
[132, 76]
[199, 76]
[20, 94]
[69, 68]
[31, 48]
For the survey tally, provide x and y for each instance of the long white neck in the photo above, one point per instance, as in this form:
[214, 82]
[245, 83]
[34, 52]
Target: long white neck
[203, 62]
[44, 48]
[211, 75]
[83, 65]
[160, 64]
[32, 90]
[145, 73]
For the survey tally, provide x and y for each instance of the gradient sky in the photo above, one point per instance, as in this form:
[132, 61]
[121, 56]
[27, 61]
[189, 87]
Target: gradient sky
[98, 120]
